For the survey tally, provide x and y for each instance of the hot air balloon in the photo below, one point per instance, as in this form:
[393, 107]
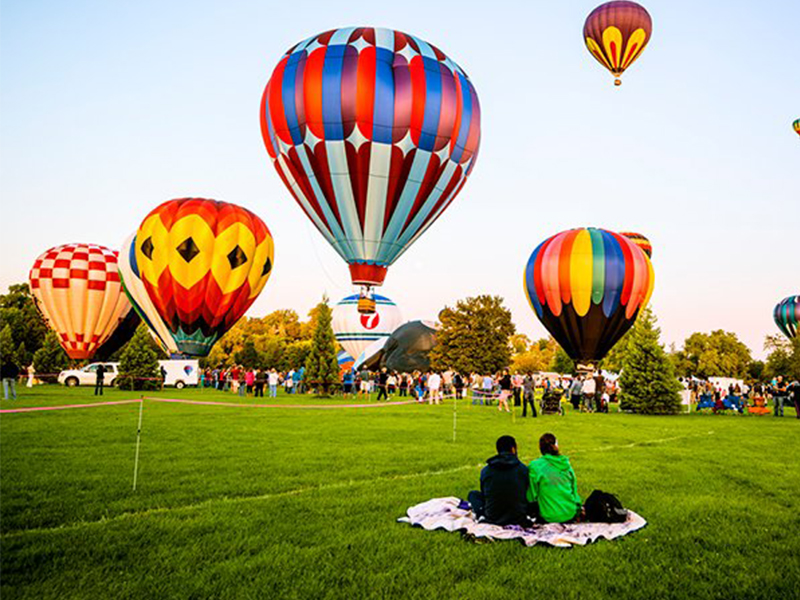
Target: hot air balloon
[640, 240]
[408, 348]
[139, 299]
[587, 287]
[374, 132]
[77, 289]
[787, 315]
[616, 33]
[202, 263]
[356, 331]
[796, 126]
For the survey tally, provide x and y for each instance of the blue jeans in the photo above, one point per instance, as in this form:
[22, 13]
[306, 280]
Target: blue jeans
[9, 381]
[273, 391]
[777, 401]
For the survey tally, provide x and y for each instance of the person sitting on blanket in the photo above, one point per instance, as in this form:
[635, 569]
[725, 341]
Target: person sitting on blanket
[504, 483]
[553, 486]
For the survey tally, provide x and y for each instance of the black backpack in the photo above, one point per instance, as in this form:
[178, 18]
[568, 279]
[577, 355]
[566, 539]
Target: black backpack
[602, 507]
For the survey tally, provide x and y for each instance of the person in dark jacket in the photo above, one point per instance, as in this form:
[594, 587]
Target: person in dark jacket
[10, 372]
[504, 486]
[383, 379]
[98, 386]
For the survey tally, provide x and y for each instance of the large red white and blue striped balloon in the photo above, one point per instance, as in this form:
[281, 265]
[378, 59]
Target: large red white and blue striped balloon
[374, 132]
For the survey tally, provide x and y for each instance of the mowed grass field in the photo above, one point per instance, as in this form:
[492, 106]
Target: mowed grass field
[242, 502]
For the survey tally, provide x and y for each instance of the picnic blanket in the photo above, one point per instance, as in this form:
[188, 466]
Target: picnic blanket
[453, 514]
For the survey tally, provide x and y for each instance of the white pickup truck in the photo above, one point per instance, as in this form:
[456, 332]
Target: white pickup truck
[179, 373]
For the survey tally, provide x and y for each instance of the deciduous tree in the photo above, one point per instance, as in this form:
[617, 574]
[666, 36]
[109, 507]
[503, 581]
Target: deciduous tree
[473, 336]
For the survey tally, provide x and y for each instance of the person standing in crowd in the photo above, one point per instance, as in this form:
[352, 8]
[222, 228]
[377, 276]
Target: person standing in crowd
[794, 394]
[600, 388]
[31, 374]
[402, 385]
[505, 391]
[98, 384]
[419, 380]
[516, 383]
[487, 385]
[260, 375]
[391, 384]
[241, 384]
[588, 391]
[434, 388]
[273, 381]
[363, 388]
[778, 395]
[529, 395]
[297, 381]
[288, 383]
[347, 383]
[9, 372]
[458, 384]
[249, 380]
[383, 378]
[575, 393]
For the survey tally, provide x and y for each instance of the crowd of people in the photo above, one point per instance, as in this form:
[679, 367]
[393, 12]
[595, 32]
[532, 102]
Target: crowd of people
[249, 381]
[753, 397]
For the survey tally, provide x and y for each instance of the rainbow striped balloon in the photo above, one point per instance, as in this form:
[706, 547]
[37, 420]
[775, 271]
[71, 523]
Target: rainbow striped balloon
[796, 126]
[787, 315]
[587, 287]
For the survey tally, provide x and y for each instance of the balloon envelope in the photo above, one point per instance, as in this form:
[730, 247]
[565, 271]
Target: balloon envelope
[787, 315]
[203, 263]
[587, 287]
[77, 289]
[641, 241]
[796, 126]
[355, 332]
[408, 348]
[374, 132]
[139, 299]
[616, 33]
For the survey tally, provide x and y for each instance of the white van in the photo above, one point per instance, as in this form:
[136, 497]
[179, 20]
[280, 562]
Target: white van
[178, 373]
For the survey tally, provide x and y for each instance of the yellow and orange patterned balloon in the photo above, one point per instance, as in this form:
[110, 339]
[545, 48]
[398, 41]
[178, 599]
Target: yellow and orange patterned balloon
[616, 33]
[77, 289]
[203, 263]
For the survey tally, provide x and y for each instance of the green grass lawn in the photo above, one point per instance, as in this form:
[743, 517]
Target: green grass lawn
[241, 502]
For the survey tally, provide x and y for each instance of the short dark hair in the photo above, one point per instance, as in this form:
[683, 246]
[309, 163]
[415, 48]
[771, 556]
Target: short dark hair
[505, 443]
[547, 444]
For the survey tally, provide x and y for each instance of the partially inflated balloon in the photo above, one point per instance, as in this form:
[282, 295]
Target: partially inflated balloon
[787, 315]
[139, 298]
[408, 348]
[641, 241]
[374, 132]
[587, 287]
[203, 263]
[77, 289]
[355, 331]
[616, 33]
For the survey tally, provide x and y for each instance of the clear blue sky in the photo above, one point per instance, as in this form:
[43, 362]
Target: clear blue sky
[109, 108]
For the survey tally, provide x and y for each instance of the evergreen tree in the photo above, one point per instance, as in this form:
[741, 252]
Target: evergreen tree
[50, 358]
[322, 368]
[647, 383]
[6, 344]
[474, 336]
[138, 365]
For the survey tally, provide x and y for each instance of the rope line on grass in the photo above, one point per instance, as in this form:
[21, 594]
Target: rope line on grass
[298, 491]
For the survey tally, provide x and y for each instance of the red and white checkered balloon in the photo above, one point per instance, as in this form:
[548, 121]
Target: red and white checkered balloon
[78, 290]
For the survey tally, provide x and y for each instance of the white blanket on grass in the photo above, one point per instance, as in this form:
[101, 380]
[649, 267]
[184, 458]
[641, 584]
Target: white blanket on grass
[452, 514]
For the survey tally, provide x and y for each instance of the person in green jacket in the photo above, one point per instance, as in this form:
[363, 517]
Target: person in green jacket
[552, 484]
